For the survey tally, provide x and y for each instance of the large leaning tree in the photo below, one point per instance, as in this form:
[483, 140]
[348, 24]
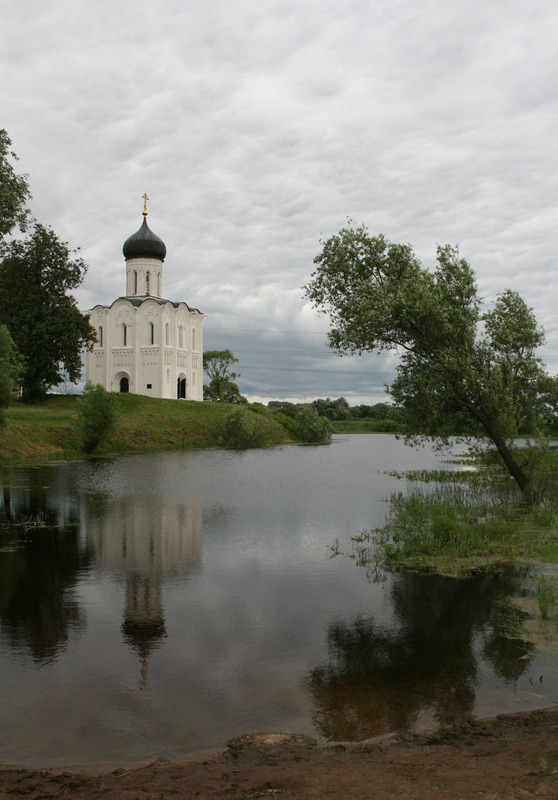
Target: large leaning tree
[45, 323]
[462, 370]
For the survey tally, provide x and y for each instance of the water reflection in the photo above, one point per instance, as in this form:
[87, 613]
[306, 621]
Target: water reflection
[144, 542]
[174, 601]
[37, 604]
[423, 666]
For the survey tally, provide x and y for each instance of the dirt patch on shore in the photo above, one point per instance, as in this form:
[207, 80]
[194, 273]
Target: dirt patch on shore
[509, 757]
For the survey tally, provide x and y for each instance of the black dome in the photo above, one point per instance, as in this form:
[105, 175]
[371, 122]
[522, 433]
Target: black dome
[144, 244]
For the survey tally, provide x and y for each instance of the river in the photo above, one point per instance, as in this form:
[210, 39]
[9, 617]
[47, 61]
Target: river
[177, 600]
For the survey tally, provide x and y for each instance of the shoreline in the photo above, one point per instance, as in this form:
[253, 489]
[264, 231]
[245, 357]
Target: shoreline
[279, 739]
[511, 756]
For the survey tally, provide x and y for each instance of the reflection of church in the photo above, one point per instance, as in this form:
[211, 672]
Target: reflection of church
[145, 542]
[145, 344]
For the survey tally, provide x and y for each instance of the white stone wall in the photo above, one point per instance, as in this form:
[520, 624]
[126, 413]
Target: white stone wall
[151, 344]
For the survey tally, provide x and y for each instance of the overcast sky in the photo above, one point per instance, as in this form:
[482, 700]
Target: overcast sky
[258, 127]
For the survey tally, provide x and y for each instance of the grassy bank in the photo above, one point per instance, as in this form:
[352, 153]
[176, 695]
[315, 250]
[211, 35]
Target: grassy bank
[48, 430]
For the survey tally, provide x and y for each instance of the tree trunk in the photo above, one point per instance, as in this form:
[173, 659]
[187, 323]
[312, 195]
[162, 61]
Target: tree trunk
[524, 481]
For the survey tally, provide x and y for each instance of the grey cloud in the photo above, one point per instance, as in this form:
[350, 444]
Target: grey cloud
[257, 129]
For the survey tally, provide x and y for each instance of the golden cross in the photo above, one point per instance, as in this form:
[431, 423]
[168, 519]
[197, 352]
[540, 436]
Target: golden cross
[145, 199]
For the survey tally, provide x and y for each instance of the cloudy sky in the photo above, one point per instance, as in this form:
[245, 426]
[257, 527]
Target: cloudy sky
[257, 127]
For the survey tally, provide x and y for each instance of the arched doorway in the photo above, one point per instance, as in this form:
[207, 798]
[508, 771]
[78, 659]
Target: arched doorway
[181, 388]
[124, 384]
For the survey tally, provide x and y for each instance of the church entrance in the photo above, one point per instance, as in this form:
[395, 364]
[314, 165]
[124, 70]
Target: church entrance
[124, 384]
[181, 388]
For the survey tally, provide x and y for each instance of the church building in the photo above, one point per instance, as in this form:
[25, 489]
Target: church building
[146, 344]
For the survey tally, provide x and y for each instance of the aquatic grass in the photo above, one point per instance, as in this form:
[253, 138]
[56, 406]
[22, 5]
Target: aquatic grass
[547, 597]
[454, 522]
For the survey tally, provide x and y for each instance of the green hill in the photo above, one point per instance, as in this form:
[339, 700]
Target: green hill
[48, 430]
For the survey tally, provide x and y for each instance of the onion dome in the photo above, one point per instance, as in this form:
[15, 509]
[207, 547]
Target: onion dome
[144, 244]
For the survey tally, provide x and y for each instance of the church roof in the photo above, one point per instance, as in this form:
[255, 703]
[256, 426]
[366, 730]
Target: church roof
[144, 244]
[139, 301]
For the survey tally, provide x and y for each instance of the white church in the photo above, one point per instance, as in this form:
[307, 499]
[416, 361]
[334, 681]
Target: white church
[146, 344]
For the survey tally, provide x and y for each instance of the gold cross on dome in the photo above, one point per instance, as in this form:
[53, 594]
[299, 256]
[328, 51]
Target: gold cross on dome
[145, 199]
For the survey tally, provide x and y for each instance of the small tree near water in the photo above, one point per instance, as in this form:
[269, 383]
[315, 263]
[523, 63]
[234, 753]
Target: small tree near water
[311, 427]
[96, 416]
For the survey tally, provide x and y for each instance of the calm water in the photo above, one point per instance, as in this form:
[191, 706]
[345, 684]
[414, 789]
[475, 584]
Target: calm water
[186, 598]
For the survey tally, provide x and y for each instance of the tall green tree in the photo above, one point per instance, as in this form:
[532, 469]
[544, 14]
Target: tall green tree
[14, 189]
[36, 276]
[462, 370]
[221, 386]
[10, 370]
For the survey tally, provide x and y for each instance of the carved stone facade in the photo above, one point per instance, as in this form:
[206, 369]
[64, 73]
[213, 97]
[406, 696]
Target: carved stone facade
[146, 344]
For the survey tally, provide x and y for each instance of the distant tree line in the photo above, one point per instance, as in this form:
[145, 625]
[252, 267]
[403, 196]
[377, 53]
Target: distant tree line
[384, 415]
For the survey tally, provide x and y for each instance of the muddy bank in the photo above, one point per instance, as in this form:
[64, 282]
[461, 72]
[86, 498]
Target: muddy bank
[509, 757]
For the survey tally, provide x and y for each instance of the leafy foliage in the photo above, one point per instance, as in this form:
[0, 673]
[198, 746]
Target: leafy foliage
[45, 323]
[96, 415]
[14, 190]
[311, 427]
[221, 387]
[10, 370]
[242, 430]
[461, 370]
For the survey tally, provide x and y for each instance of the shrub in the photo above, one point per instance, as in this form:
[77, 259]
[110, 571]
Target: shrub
[96, 416]
[311, 427]
[243, 429]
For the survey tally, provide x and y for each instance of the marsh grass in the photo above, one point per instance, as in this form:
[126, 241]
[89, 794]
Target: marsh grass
[453, 522]
[547, 597]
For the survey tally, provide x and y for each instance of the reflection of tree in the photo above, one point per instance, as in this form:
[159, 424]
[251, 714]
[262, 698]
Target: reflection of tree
[37, 608]
[381, 678]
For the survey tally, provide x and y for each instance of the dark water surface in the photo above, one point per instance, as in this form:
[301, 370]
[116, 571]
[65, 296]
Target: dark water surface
[185, 598]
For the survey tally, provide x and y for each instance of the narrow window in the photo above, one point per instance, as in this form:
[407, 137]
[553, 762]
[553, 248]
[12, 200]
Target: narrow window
[124, 335]
[166, 333]
[181, 336]
[147, 283]
[193, 338]
[100, 336]
[135, 281]
[151, 333]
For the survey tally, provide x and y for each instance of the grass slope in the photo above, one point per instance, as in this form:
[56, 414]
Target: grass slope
[48, 430]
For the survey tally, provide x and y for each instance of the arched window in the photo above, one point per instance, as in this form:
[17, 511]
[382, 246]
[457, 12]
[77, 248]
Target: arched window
[135, 281]
[193, 338]
[100, 336]
[124, 334]
[166, 333]
[147, 282]
[151, 333]
[181, 336]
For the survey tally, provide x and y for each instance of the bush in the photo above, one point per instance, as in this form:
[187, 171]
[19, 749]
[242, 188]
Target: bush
[242, 429]
[96, 416]
[311, 427]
